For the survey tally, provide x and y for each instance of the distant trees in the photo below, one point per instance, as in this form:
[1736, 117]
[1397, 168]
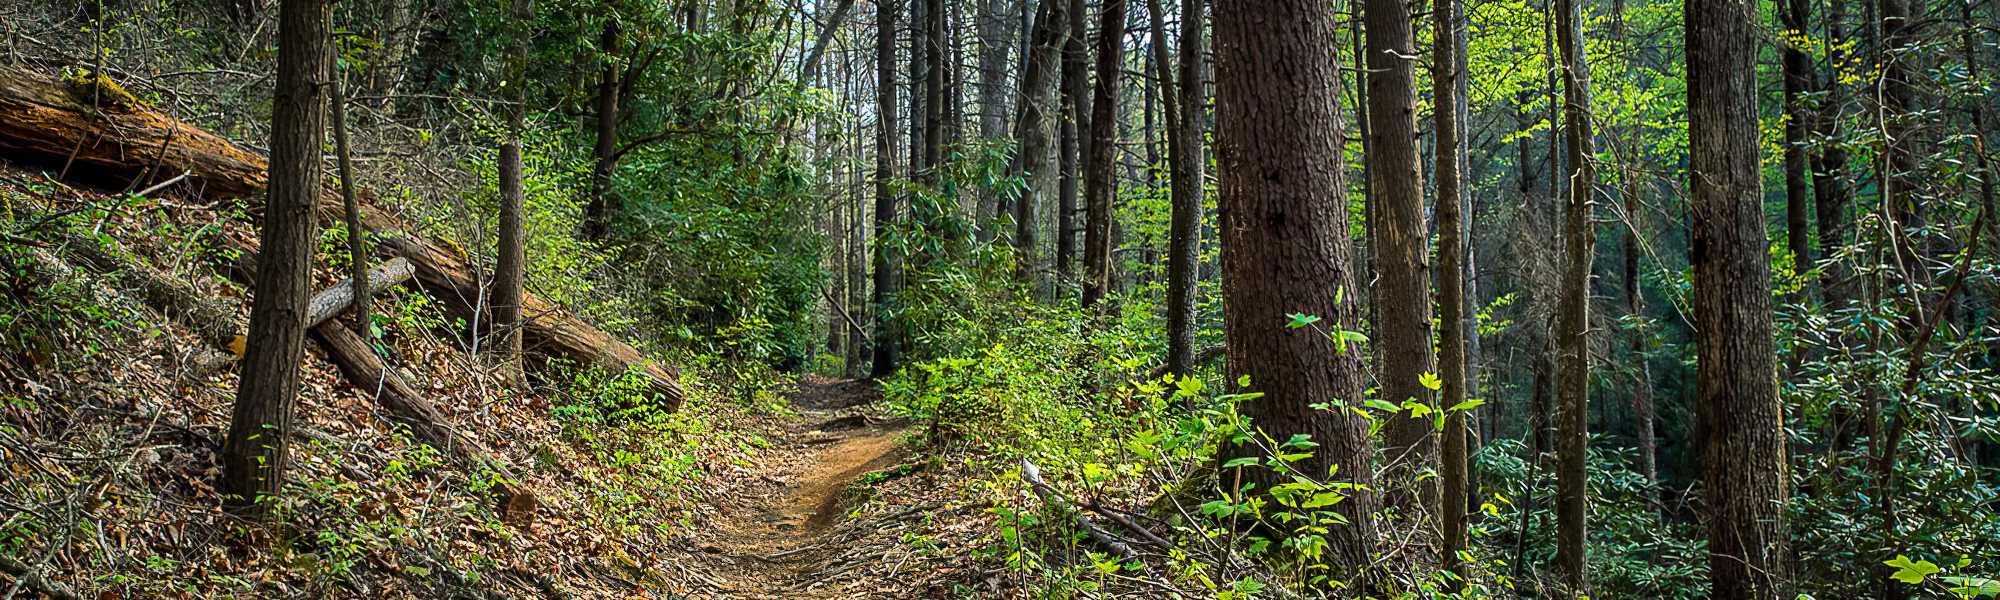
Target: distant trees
[1285, 247]
[1032, 128]
[256, 451]
[1743, 443]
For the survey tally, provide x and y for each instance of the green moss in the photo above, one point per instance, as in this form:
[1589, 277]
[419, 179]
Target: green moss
[98, 88]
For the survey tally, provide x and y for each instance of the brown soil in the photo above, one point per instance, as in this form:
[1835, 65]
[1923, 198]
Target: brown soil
[773, 536]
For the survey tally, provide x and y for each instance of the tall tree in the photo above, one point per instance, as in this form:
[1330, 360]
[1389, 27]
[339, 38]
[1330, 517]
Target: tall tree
[1797, 70]
[1831, 192]
[510, 267]
[887, 347]
[1402, 280]
[1285, 248]
[1074, 146]
[256, 452]
[1573, 307]
[1446, 56]
[357, 235]
[1184, 106]
[1098, 183]
[1743, 437]
[996, 43]
[597, 211]
[1050, 31]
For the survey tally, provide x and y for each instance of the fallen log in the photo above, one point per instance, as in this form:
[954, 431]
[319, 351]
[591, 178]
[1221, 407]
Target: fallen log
[549, 330]
[408, 406]
[335, 300]
[93, 130]
[366, 371]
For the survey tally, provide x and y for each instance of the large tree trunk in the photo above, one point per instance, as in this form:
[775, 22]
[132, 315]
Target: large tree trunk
[1098, 183]
[1446, 56]
[1285, 249]
[887, 348]
[1742, 423]
[1573, 309]
[1032, 128]
[1402, 293]
[49, 121]
[256, 451]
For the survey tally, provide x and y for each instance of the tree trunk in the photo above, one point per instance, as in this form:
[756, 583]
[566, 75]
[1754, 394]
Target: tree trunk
[1074, 145]
[1033, 130]
[357, 235]
[1742, 423]
[1573, 310]
[1797, 71]
[887, 347]
[1184, 105]
[1635, 309]
[1445, 73]
[256, 452]
[1831, 194]
[1098, 183]
[597, 213]
[1402, 282]
[45, 120]
[1285, 249]
[510, 268]
[934, 83]
[996, 43]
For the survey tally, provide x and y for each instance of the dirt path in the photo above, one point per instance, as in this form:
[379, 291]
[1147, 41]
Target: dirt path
[773, 536]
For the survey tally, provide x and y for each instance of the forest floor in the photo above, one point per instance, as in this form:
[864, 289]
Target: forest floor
[827, 511]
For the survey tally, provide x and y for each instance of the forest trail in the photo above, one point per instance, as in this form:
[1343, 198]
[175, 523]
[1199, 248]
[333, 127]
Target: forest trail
[777, 533]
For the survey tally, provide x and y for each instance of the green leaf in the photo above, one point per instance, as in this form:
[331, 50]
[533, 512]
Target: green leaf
[1911, 572]
[1240, 462]
[1468, 405]
[1431, 381]
[1300, 320]
[1974, 587]
[1381, 405]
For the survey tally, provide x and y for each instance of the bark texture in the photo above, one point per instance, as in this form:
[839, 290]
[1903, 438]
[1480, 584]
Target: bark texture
[1402, 280]
[1032, 128]
[1185, 103]
[1099, 184]
[44, 120]
[1445, 73]
[1285, 246]
[1573, 310]
[887, 347]
[1742, 423]
[256, 451]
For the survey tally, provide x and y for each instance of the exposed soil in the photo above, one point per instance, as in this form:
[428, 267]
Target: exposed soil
[774, 534]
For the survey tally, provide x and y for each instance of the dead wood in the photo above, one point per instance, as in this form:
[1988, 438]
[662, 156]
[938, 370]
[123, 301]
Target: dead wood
[92, 131]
